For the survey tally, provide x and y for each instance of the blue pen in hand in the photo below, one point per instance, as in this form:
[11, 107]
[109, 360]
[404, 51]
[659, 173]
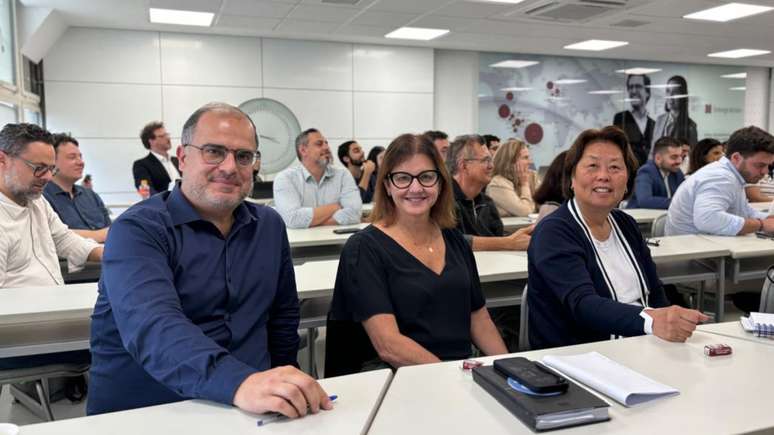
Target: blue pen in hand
[272, 417]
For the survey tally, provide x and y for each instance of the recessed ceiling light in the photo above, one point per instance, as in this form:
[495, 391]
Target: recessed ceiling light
[514, 64]
[515, 89]
[663, 86]
[183, 18]
[728, 12]
[738, 88]
[735, 76]
[739, 53]
[418, 33]
[595, 45]
[638, 71]
[569, 81]
[606, 92]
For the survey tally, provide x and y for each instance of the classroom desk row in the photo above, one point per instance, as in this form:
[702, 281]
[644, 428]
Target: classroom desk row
[721, 395]
[26, 313]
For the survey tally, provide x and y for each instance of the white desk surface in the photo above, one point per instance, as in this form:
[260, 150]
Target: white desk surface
[36, 304]
[717, 395]
[747, 246]
[734, 329]
[319, 236]
[359, 397]
[512, 223]
[686, 247]
[760, 206]
[644, 215]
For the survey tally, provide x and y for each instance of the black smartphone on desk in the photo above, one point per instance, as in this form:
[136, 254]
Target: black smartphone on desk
[531, 374]
[764, 235]
[348, 230]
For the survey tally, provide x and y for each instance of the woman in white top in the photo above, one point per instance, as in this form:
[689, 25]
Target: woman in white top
[513, 182]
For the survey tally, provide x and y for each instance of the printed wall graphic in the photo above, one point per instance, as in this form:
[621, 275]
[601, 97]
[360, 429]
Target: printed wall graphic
[6, 42]
[547, 100]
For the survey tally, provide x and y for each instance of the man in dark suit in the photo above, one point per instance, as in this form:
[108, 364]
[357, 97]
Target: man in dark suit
[636, 123]
[158, 168]
[658, 179]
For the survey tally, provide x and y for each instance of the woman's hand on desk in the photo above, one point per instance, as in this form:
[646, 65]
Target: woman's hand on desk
[675, 323]
[285, 390]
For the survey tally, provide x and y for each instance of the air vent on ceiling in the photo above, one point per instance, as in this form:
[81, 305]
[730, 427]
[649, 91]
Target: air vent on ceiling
[341, 2]
[630, 23]
[578, 10]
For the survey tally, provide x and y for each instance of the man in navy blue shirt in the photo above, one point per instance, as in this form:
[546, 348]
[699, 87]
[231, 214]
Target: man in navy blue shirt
[79, 208]
[198, 296]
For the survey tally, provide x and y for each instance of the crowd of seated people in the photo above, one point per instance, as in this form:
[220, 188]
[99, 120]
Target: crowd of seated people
[181, 314]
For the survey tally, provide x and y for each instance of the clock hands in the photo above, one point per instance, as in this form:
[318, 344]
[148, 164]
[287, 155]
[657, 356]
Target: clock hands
[273, 139]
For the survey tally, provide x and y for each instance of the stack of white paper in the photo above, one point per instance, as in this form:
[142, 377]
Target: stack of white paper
[759, 319]
[619, 382]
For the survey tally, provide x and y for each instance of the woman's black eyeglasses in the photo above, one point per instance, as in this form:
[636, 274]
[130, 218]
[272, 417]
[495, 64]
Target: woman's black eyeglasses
[402, 180]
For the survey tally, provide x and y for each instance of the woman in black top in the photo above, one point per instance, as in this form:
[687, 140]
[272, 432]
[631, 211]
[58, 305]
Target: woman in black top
[410, 278]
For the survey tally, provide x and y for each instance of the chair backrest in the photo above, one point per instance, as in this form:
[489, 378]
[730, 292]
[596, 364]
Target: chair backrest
[524, 322]
[347, 347]
[767, 292]
[657, 227]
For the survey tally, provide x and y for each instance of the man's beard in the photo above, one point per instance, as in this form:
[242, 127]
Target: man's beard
[22, 195]
[324, 161]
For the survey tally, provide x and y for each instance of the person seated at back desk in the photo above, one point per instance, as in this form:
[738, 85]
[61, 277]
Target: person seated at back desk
[713, 201]
[471, 166]
[363, 171]
[315, 192]
[658, 179]
[198, 297]
[81, 209]
[31, 235]
[157, 168]
[591, 275]
[410, 278]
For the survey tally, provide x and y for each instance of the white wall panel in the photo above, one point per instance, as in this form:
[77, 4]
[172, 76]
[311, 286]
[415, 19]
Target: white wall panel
[756, 98]
[181, 101]
[382, 115]
[109, 161]
[456, 91]
[307, 64]
[101, 55]
[211, 60]
[393, 69]
[101, 110]
[328, 111]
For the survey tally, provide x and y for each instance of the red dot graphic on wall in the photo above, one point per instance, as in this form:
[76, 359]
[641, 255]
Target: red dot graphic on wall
[504, 111]
[509, 96]
[550, 85]
[533, 133]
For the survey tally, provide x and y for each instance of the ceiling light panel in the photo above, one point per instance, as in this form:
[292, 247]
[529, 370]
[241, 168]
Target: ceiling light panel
[181, 17]
[728, 12]
[638, 71]
[739, 53]
[513, 63]
[595, 45]
[735, 76]
[416, 33]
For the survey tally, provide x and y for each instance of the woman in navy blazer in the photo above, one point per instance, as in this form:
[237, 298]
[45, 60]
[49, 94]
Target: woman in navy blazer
[591, 276]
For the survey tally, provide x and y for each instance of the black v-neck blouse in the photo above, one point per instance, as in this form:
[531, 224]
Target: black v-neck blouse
[378, 276]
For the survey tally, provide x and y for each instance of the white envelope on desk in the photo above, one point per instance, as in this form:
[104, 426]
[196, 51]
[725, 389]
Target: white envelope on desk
[610, 378]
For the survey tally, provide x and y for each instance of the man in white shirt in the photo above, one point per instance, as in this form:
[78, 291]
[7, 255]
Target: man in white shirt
[158, 168]
[315, 192]
[31, 235]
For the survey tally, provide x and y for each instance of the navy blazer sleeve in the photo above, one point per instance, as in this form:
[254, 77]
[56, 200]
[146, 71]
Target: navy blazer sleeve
[647, 185]
[560, 260]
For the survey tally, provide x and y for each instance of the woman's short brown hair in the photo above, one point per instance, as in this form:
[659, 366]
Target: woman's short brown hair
[505, 157]
[610, 134]
[400, 150]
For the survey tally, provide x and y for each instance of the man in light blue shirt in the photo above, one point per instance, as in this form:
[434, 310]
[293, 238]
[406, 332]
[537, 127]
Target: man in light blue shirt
[713, 201]
[316, 193]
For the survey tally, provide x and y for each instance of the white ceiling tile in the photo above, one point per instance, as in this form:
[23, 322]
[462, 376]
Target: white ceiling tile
[252, 24]
[356, 30]
[333, 14]
[306, 27]
[414, 6]
[444, 22]
[474, 10]
[251, 8]
[379, 18]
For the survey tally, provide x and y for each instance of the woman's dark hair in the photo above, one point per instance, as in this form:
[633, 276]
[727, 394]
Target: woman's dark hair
[699, 153]
[610, 134]
[550, 189]
[373, 154]
[400, 150]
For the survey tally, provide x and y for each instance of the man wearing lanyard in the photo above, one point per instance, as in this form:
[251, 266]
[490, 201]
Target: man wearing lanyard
[198, 296]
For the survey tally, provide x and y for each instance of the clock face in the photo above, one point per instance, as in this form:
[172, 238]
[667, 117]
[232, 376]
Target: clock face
[277, 130]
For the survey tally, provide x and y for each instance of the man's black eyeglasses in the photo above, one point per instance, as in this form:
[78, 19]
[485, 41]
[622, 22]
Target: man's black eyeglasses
[215, 154]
